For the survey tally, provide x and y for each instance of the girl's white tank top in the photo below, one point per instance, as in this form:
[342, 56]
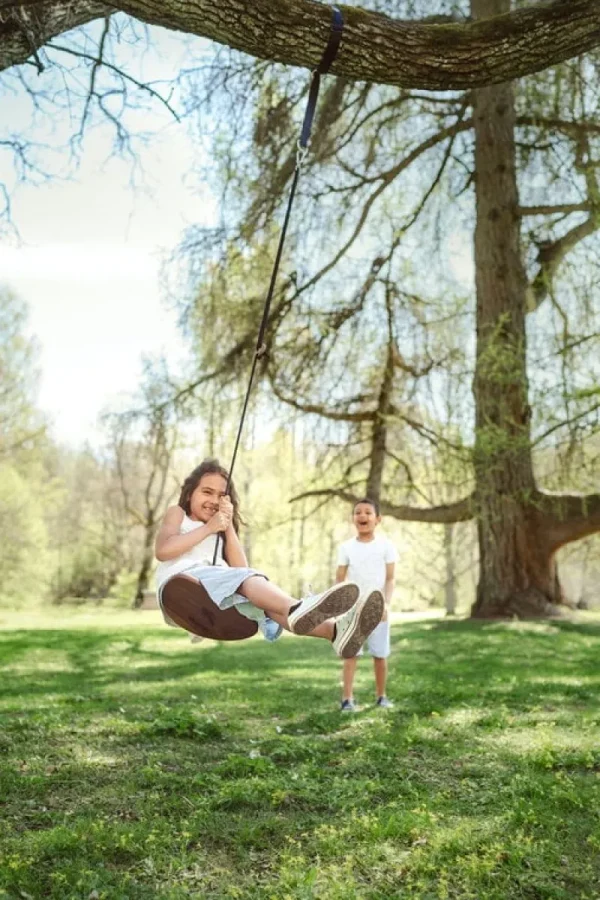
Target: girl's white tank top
[200, 555]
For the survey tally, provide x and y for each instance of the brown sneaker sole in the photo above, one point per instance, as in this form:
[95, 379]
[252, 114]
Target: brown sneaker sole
[367, 620]
[332, 603]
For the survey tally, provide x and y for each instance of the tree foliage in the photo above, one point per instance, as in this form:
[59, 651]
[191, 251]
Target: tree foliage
[21, 424]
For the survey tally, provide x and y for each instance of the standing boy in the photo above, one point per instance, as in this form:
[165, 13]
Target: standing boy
[370, 562]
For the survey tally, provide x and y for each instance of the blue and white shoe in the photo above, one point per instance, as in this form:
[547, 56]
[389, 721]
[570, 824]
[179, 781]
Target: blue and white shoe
[315, 609]
[270, 630]
[384, 703]
[348, 706]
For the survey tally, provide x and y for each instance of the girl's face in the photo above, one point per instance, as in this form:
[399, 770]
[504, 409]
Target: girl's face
[204, 502]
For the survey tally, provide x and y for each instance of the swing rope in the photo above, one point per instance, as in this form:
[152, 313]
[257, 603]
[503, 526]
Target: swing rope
[335, 36]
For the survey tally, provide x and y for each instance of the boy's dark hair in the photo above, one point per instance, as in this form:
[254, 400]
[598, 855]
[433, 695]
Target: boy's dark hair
[208, 467]
[373, 503]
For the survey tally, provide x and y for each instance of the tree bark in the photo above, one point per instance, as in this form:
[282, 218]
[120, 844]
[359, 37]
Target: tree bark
[145, 565]
[380, 428]
[450, 584]
[374, 48]
[517, 570]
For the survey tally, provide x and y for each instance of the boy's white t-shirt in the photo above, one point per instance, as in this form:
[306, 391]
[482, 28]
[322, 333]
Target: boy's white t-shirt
[366, 561]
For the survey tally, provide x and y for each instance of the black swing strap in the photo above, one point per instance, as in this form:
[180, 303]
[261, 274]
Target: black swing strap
[335, 36]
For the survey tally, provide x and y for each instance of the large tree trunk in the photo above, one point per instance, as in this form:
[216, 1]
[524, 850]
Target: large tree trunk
[517, 569]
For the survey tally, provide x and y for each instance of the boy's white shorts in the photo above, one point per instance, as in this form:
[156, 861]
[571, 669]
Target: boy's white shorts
[378, 642]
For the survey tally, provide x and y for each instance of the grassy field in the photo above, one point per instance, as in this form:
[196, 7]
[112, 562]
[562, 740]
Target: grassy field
[134, 764]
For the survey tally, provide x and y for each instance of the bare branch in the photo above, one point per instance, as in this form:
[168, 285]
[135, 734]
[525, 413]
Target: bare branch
[562, 209]
[564, 424]
[566, 126]
[367, 415]
[98, 61]
[461, 511]
[385, 179]
[572, 516]
[551, 255]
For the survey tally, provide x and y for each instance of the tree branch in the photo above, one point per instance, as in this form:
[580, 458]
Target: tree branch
[564, 423]
[374, 47]
[26, 26]
[98, 61]
[564, 209]
[566, 126]
[550, 257]
[461, 511]
[572, 516]
[367, 415]
[385, 179]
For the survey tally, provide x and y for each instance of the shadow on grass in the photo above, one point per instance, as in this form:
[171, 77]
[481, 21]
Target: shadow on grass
[435, 665]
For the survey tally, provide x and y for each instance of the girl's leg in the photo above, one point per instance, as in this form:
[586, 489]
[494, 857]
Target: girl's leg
[324, 630]
[268, 597]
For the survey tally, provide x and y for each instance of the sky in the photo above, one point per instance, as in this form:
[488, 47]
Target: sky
[87, 264]
[88, 270]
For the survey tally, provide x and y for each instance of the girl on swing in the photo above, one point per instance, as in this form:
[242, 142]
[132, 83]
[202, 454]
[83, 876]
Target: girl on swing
[228, 600]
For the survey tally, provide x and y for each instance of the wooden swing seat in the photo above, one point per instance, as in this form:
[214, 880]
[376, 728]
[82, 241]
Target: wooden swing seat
[186, 602]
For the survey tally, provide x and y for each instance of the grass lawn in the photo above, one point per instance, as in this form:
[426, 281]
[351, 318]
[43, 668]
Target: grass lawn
[134, 764]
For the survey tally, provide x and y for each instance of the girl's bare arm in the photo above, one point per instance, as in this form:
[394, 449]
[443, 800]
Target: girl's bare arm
[234, 552]
[170, 543]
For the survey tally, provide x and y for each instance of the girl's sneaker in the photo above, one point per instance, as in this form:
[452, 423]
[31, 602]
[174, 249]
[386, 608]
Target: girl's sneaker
[354, 628]
[315, 609]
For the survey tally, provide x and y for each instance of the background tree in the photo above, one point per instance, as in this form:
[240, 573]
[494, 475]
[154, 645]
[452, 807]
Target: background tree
[143, 442]
[24, 545]
[22, 426]
[324, 322]
[364, 125]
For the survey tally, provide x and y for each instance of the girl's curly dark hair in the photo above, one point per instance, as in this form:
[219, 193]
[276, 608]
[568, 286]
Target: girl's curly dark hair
[209, 467]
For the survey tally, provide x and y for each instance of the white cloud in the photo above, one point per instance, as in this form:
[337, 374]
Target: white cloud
[460, 247]
[95, 309]
[78, 263]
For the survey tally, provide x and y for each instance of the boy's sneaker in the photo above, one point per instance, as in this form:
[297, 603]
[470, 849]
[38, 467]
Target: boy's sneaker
[347, 706]
[384, 703]
[354, 628]
[315, 609]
